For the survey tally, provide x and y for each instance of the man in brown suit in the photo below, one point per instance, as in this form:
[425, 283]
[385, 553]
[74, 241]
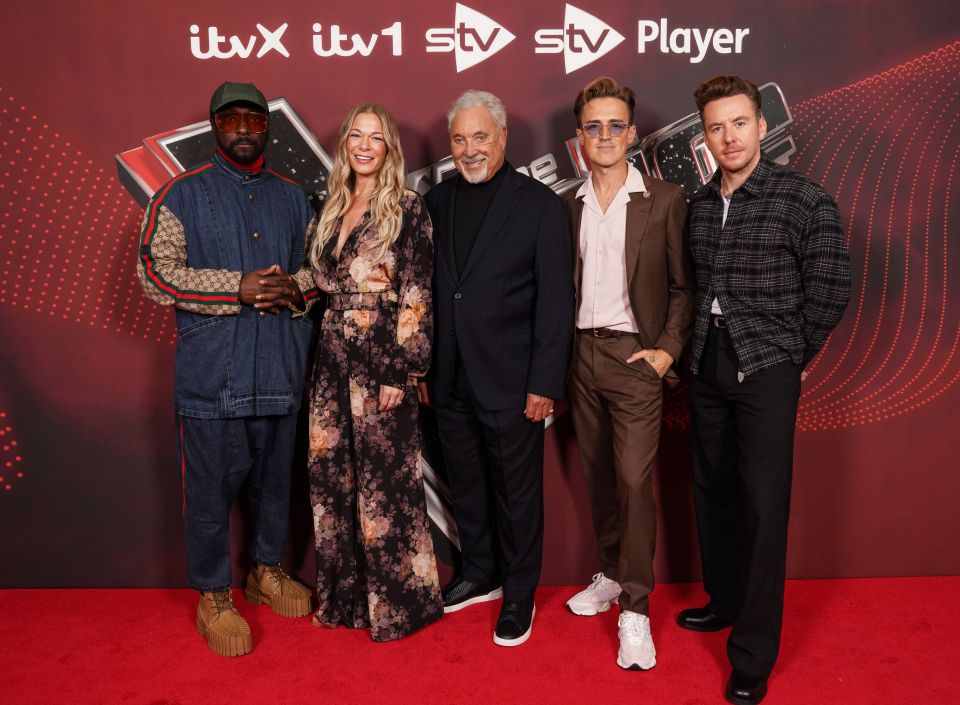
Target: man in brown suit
[635, 288]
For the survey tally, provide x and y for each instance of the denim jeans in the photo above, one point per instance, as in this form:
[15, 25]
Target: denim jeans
[216, 457]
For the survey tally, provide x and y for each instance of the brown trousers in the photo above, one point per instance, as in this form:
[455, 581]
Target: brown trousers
[616, 410]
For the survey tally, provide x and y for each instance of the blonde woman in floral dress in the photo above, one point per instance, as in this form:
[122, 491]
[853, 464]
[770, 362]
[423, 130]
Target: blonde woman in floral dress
[373, 255]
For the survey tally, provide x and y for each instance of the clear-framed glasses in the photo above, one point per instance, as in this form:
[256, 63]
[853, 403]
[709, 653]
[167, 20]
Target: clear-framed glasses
[617, 128]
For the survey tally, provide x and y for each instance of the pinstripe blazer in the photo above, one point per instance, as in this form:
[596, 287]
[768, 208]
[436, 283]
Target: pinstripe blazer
[509, 314]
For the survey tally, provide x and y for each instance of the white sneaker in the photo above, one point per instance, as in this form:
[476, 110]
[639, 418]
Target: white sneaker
[636, 645]
[596, 597]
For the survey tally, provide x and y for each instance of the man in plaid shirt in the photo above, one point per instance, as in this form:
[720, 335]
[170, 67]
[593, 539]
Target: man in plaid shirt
[773, 279]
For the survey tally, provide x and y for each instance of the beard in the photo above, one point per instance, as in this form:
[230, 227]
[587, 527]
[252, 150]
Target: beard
[473, 177]
[245, 157]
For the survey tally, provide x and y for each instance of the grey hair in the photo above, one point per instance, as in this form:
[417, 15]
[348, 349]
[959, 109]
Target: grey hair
[473, 98]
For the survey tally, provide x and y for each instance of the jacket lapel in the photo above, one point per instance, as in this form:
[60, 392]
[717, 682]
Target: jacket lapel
[575, 220]
[448, 240]
[503, 202]
[638, 213]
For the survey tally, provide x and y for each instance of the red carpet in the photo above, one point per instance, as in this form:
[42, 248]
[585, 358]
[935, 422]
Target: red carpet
[845, 641]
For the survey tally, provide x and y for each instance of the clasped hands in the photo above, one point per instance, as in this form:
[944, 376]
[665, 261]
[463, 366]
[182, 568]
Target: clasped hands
[269, 290]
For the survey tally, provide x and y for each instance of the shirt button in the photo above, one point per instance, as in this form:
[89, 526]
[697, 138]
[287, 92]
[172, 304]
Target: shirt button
[458, 295]
[249, 196]
[247, 177]
[256, 234]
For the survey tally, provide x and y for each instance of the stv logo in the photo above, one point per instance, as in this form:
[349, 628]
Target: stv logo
[583, 39]
[473, 38]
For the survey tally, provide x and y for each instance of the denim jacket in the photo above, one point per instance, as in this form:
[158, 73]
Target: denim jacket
[201, 232]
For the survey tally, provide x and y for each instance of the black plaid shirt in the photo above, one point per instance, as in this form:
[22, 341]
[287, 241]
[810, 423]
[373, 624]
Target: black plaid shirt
[779, 266]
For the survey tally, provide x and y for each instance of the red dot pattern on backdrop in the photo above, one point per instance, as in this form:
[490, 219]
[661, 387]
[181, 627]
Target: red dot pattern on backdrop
[11, 462]
[68, 232]
[886, 147]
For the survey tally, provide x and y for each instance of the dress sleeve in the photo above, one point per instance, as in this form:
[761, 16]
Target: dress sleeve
[412, 330]
[165, 276]
[304, 277]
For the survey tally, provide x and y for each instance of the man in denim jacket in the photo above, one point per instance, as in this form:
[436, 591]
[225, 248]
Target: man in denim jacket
[224, 244]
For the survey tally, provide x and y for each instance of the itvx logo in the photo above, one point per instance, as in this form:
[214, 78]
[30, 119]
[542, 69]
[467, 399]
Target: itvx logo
[237, 47]
[474, 38]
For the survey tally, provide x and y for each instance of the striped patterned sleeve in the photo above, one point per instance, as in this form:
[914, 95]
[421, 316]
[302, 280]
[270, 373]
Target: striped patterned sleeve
[304, 277]
[165, 276]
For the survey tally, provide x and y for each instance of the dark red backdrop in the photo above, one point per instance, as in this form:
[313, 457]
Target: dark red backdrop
[90, 491]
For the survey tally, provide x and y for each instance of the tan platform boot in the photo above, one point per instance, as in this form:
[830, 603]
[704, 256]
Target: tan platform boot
[270, 585]
[227, 633]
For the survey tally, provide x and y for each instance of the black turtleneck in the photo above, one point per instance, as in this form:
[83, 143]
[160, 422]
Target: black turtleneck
[471, 206]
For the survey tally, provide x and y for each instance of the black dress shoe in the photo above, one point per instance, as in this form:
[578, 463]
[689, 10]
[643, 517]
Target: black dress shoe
[462, 593]
[745, 690]
[701, 619]
[515, 623]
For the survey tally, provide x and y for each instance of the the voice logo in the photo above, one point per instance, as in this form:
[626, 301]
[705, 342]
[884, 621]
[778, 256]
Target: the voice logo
[473, 38]
[583, 39]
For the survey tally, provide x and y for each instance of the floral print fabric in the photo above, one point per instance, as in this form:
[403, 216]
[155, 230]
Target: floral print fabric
[375, 562]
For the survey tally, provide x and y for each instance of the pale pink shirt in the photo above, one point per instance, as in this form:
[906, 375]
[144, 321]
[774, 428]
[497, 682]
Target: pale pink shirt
[605, 302]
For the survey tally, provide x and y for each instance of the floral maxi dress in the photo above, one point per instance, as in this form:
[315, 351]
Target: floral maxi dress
[375, 562]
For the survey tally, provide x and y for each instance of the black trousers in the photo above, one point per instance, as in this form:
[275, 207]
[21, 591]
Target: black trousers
[494, 464]
[742, 469]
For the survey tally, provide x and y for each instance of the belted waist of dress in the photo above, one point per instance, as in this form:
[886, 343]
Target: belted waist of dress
[366, 301]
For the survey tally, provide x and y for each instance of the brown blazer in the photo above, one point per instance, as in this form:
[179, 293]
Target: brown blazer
[660, 279]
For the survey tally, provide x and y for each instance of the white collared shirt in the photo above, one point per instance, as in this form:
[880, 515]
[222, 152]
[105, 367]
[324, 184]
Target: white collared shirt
[605, 302]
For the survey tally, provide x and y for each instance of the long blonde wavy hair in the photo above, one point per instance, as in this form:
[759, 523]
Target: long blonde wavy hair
[386, 215]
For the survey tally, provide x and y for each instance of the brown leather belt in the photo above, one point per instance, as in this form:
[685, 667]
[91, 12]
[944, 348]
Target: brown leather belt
[607, 333]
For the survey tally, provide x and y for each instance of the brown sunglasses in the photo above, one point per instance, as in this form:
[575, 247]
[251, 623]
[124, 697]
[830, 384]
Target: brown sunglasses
[232, 120]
